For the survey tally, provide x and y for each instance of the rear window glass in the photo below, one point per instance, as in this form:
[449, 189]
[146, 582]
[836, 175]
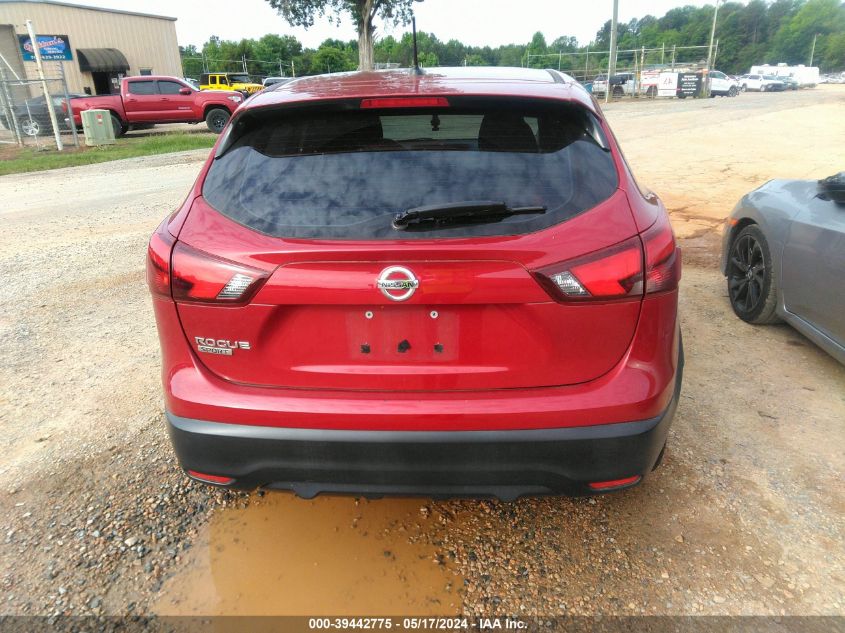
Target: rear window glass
[344, 173]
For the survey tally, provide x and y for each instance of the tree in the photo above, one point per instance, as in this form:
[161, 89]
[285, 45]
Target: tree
[363, 13]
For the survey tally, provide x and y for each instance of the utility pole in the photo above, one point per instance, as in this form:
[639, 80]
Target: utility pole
[705, 89]
[50, 109]
[611, 63]
[813, 50]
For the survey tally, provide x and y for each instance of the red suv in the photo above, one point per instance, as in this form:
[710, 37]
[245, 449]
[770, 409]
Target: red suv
[442, 283]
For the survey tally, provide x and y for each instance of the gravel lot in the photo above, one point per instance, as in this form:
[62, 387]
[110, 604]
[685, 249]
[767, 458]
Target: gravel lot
[744, 517]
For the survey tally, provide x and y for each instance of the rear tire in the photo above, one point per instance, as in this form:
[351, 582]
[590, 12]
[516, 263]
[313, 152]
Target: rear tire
[117, 126]
[216, 119]
[618, 92]
[751, 285]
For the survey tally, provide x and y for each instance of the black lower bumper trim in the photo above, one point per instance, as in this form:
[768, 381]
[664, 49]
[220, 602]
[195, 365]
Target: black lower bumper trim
[503, 464]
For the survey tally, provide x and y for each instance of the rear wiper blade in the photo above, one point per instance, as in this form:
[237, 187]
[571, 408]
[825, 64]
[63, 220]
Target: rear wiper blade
[470, 211]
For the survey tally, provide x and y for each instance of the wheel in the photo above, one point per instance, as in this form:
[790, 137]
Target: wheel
[617, 92]
[216, 119]
[682, 95]
[117, 126]
[32, 126]
[762, 88]
[751, 286]
[732, 92]
[744, 88]
[651, 92]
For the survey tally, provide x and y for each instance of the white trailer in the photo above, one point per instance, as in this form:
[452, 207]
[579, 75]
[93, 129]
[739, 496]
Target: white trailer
[806, 76]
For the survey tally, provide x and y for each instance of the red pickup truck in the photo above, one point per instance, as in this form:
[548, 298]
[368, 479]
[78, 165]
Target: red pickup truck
[149, 99]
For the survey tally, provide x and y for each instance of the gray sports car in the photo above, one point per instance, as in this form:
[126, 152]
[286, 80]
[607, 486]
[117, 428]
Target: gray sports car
[783, 253]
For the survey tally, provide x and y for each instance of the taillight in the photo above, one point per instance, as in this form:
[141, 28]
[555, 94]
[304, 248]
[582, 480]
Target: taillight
[158, 262]
[617, 272]
[662, 257]
[198, 276]
[177, 271]
[611, 273]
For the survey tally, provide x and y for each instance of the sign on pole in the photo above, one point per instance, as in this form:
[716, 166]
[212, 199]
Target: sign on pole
[53, 48]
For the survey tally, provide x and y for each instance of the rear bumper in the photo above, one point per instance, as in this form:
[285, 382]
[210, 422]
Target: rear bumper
[504, 464]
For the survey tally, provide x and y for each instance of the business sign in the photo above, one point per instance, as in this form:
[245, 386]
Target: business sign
[689, 84]
[54, 48]
[667, 85]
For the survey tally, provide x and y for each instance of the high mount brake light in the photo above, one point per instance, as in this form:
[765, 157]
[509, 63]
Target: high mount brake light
[617, 272]
[405, 102]
[611, 273]
[177, 271]
[198, 276]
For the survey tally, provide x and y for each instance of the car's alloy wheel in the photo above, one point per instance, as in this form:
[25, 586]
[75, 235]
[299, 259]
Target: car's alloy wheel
[751, 287]
[31, 127]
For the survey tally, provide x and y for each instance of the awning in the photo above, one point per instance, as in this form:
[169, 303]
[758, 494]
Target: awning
[102, 60]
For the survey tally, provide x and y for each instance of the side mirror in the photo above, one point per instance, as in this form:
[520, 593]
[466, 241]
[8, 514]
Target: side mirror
[185, 91]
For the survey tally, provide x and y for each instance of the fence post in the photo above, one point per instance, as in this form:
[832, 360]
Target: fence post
[10, 113]
[587, 65]
[67, 105]
[50, 109]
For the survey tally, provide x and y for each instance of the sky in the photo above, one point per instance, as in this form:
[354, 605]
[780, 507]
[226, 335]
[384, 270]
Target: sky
[473, 22]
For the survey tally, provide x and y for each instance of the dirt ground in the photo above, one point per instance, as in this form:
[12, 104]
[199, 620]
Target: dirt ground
[743, 518]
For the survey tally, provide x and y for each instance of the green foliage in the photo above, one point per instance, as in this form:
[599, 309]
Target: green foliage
[362, 12]
[754, 33]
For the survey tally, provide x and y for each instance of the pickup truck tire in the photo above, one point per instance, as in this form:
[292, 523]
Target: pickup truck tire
[216, 119]
[733, 91]
[618, 92]
[117, 126]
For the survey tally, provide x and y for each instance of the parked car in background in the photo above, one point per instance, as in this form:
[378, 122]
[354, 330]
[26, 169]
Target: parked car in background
[191, 81]
[33, 116]
[783, 253]
[789, 82]
[598, 86]
[272, 81]
[147, 100]
[437, 283]
[240, 82]
[721, 85]
[762, 83]
[620, 84]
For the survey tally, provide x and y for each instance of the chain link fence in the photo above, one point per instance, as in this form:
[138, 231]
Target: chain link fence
[637, 71]
[24, 111]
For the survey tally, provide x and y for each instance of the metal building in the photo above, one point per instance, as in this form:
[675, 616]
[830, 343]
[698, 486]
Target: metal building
[104, 44]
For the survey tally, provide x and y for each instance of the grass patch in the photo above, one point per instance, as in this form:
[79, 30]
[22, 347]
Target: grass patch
[16, 160]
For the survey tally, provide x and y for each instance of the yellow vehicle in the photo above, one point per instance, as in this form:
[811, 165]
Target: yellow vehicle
[229, 81]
